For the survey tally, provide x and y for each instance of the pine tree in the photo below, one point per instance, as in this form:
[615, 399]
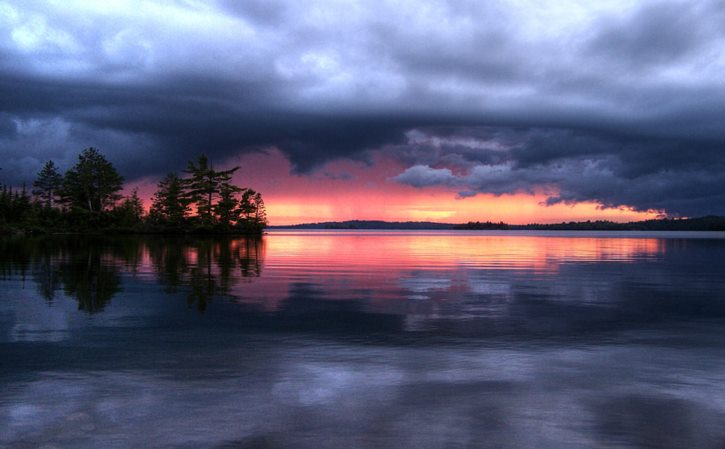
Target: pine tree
[204, 185]
[93, 183]
[252, 211]
[131, 212]
[246, 205]
[5, 201]
[48, 184]
[201, 187]
[170, 203]
[226, 207]
[260, 212]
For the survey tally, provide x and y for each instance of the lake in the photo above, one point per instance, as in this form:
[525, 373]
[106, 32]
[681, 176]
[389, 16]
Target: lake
[364, 339]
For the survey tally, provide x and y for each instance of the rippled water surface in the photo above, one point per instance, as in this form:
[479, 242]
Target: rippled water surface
[353, 339]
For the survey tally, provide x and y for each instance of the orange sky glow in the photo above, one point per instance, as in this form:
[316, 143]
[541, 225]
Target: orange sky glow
[349, 190]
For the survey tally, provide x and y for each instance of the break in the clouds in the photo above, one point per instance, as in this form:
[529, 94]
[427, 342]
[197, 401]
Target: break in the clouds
[619, 102]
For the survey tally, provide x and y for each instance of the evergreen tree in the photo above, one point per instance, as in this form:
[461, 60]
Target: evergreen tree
[93, 183]
[170, 203]
[22, 201]
[201, 187]
[47, 184]
[5, 202]
[226, 208]
[90, 192]
[204, 185]
[246, 205]
[15, 207]
[130, 213]
[260, 212]
[253, 214]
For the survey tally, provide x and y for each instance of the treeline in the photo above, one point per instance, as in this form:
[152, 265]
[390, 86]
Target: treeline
[87, 198]
[486, 225]
[371, 224]
[707, 223]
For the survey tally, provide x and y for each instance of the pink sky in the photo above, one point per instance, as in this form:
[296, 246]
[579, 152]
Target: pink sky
[348, 190]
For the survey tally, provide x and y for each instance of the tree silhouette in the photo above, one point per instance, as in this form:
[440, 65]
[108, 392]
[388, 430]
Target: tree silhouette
[226, 209]
[93, 183]
[90, 194]
[252, 212]
[170, 203]
[204, 185]
[260, 212]
[247, 207]
[15, 205]
[130, 213]
[48, 184]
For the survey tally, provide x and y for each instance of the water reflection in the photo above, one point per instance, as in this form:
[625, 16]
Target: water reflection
[429, 282]
[91, 270]
[438, 284]
[362, 339]
[340, 251]
[87, 277]
[208, 267]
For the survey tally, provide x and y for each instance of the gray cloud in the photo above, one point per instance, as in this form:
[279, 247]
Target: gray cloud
[664, 175]
[657, 34]
[425, 176]
[507, 96]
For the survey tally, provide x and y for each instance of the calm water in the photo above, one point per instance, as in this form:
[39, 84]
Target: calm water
[364, 340]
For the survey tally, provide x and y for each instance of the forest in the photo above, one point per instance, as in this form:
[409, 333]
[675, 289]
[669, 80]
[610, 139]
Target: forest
[87, 199]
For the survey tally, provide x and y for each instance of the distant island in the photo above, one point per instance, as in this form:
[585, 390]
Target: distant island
[370, 224]
[708, 223]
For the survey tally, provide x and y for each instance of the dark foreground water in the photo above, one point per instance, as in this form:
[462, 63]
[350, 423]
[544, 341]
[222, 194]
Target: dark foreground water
[364, 340]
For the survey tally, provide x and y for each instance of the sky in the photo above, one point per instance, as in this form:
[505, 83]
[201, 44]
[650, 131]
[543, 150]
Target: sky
[522, 111]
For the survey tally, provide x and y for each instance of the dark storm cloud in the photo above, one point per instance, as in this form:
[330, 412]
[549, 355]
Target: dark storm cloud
[683, 177]
[621, 103]
[658, 33]
[8, 128]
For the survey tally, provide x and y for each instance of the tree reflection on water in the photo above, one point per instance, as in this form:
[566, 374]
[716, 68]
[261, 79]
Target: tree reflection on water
[90, 270]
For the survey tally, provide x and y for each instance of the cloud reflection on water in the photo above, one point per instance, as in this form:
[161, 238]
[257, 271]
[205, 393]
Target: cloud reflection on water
[319, 340]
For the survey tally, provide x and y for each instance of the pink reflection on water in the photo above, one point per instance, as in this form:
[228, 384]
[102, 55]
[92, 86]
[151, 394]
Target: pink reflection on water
[382, 267]
[394, 265]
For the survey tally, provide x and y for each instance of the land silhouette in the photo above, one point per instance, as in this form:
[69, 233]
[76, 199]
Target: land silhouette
[708, 223]
[87, 199]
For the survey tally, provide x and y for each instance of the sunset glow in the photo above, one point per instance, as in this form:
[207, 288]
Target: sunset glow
[350, 190]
